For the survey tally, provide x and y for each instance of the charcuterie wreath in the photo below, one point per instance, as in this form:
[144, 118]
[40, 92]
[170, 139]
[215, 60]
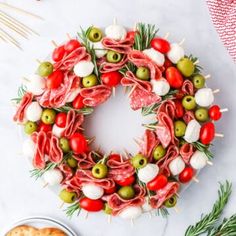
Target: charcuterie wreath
[162, 81]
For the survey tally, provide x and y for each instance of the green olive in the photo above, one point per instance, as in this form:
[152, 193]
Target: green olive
[143, 73]
[159, 152]
[90, 81]
[171, 202]
[68, 197]
[64, 145]
[72, 162]
[179, 127]
[30, 127]
[126, 192]
[188, 102]
[100, 171]
[185, 66]
[139, 161]
[113, 56]
[48, 116]
[45, 69]
[201, 114]
[198, 81]
[95, 35]
[107, 209]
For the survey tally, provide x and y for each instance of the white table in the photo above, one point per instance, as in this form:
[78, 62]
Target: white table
[20, 196]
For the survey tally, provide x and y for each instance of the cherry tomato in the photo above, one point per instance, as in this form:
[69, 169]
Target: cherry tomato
[112, 78]
[186, 175]
[130, 35]
[174, 77]
[167, 63]
[55, 79]
[91, 205]
[110, 190]
[44, 127]
[126, 181]
[61, 119]
[159, 182]
[58, 53]
[78, 143]
[179, 109]
[71, 45]
[207, 133]
[78, 102]
[160, 45]
[115, 157]
[214, 112]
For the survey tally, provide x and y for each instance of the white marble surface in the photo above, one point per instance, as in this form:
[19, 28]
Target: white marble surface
[21, 196]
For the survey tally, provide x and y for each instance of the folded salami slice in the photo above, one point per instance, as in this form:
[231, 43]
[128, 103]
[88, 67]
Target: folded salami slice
[186, 151]
[66, 171]
[187, 87]
[95, 95]
[69, 61]
[118, 204]
[73, 122]
[55, 152]
[85, 161]
[163, 194]
[24, 103]
[138, 58]
[188, 116]
[168, 107]
[120, 46]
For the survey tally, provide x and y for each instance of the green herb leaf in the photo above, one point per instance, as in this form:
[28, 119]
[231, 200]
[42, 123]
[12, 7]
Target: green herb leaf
[84, 111]
[72, 209]
[150, 109]
[203, 148]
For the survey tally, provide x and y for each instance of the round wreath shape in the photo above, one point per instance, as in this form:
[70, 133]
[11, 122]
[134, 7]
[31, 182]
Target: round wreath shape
[162, 81]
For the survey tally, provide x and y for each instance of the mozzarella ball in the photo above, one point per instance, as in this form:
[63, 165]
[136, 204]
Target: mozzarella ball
[35, 84]
[57, 131]
[131, 212]
[204, 97]
[156, 56]
[146, 207]
[176, 166]
[92, 191]
[148, 172]
[100, 51]
[198, 160]
[192, 131]
[73, 95]
[161, 87]
[83, 68]
[28, 148]
[33, 112]
[53, 177]
[175, 53]
[116, 32]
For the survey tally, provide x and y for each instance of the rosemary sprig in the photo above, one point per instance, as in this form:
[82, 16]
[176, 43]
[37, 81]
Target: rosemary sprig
[203, 148]
[162, 212]
[72, 209]
[208, 221]
[84, 111]
[198, 68]
[150, 109]
[151, 126]
[37, 173]
[146, 32]
[129, 66]
[20, 93]
[169, 95]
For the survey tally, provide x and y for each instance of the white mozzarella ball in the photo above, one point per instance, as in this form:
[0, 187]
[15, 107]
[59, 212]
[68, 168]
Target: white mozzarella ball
[92, 191]
[131, 212]
[176, 166]
[53, 177]
[204, 97]
[156, 56]
[161, 87]
[175, 53]
[146, 207]
[198, 160]
[116, 32]
[192, 132]
[28, 148]
[83, 68]
[100, 51]
[57, 131]
[33, 112]
[148, 172]
[73, 95]
[35, 84]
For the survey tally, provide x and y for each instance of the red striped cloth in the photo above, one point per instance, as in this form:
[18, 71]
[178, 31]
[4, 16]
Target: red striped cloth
[223, 14]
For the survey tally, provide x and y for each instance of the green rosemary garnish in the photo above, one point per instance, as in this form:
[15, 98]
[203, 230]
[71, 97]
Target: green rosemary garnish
[84, 111]
[151, 126]
[198, 68]
[72, 209]
[203, 148]
[150, 109]
[129, 66]
[37, 173]
[162, 212]
[20, 93]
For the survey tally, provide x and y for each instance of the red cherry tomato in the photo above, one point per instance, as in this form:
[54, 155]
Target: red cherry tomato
[174, 77]
[110, 190]
[58, 53]
[71, 45]
[214, 112]
[78, 102]
[130, 35]
[167, 63]
[159, 182]
[112, 78]
[179, 109]
[78, 143]
[160, 45]
[61, 119]
[55, 79]
[114, 157]
[91, 205]
[44, 127]
[127, 181]
[207, 133]
[186, 175]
